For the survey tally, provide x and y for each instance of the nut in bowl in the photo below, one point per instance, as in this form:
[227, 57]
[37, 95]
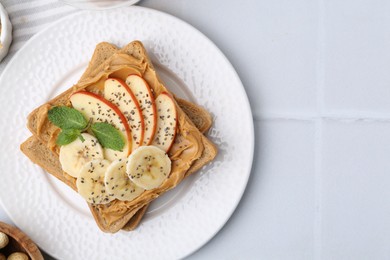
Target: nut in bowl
[14, 244]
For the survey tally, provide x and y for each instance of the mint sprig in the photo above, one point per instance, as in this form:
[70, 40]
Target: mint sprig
[67, 118]
[73, 123]
[108, 136]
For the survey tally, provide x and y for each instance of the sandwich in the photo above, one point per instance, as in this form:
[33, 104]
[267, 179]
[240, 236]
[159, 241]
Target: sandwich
[119, 137]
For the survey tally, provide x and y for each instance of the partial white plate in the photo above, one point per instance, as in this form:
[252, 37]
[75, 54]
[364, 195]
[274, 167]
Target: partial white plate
[179, 222]
[99, 4]
[5, 32]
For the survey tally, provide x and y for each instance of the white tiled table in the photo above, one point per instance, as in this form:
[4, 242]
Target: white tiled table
[317, 74]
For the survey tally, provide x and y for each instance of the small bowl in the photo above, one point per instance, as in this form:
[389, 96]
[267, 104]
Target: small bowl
[5, 32]
[19, 242]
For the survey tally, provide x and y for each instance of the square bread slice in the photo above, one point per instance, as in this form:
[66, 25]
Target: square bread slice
[199, 116]
[130, 59]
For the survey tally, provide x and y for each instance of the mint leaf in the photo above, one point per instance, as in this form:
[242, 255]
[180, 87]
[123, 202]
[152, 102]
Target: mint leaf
[108, 136]
[67, 136]
[67, 118]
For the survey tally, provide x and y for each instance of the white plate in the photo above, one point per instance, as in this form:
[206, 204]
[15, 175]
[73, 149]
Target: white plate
[179, 222]
[5, 32]
[99, 4]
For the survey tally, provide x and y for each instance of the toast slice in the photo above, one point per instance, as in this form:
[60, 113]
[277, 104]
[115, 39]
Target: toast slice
[132, 58]
[198, 115]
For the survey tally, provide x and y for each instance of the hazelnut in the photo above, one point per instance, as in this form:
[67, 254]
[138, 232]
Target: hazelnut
[3, 240]
[2, 257]
[17, 256]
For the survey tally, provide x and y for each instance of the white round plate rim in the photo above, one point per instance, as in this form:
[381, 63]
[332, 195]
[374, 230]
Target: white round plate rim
[245, 107]
[6, 32]
[89, 6]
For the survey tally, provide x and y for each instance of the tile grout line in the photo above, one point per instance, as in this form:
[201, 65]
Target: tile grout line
[318, 190]
[320, 83]
[324, 117]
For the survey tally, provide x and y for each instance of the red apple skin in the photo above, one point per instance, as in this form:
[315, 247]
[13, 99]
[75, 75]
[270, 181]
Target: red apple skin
[154, 126]
[136, 104]
[114, 108]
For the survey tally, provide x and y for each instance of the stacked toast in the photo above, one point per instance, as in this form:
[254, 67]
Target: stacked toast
[189, 152]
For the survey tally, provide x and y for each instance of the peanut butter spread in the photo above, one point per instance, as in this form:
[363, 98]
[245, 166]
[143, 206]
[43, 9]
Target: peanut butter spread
[187, 148]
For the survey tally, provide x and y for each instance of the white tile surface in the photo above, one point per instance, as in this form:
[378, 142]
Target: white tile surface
[278, 222]
[355, 190]
[357, 56]
[272, 45]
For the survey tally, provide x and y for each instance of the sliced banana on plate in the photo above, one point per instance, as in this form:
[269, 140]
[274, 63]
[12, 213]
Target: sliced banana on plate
[118, 183]
[148, 167]
[90, 183]
[74, 155]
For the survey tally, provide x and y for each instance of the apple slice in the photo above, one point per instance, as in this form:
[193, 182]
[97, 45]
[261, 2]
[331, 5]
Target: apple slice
[144, 95]
[166, 122]
[98, 109]
[117, 92]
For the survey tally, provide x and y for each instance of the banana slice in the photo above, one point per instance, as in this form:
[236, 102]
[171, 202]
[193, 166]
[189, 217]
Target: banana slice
[118, 184]
[148, 167]
[90, 183]
[74, 155]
